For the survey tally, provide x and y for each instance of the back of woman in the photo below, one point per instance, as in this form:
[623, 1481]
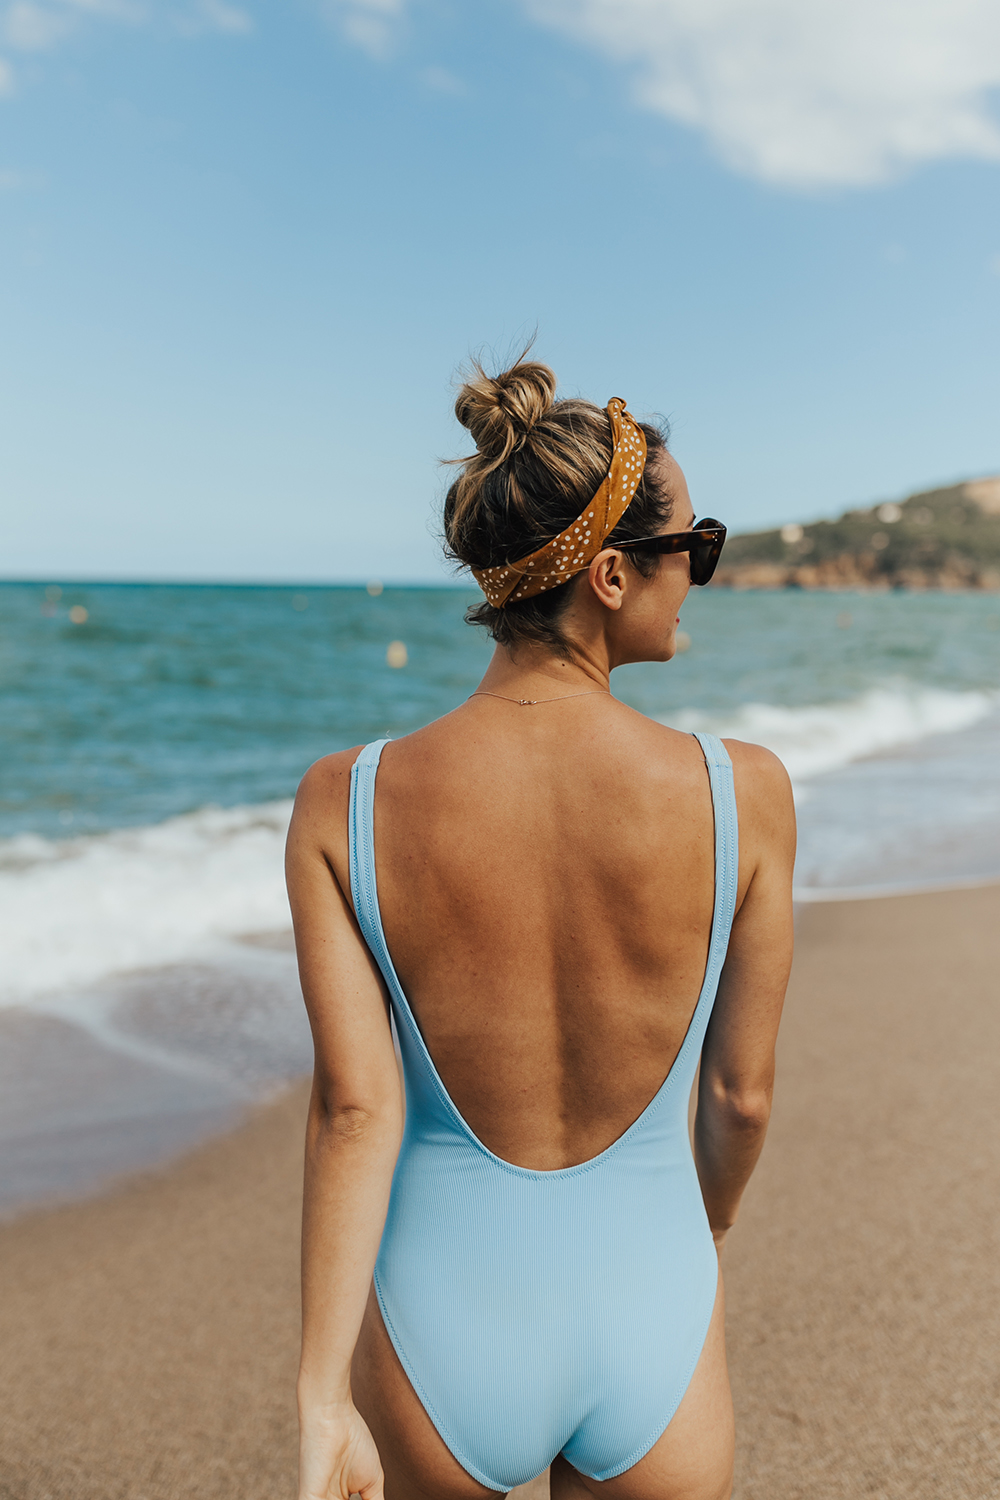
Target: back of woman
[560, 908]
[546, 877]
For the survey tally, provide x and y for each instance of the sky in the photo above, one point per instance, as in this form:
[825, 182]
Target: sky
[246, 247]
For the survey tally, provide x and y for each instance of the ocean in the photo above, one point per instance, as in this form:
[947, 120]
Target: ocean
[153, 736]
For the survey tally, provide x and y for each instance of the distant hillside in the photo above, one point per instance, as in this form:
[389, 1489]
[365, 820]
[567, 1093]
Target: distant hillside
[939, 539]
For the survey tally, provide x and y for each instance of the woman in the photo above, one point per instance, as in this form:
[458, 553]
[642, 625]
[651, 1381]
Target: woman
[527, 1274]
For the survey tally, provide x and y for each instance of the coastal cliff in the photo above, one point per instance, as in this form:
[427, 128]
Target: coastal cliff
[938, 539]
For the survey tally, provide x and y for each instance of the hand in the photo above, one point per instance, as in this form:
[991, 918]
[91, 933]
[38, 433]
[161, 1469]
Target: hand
[337, 1456]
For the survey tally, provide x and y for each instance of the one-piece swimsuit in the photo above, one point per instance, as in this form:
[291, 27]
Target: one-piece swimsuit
[539, 1313]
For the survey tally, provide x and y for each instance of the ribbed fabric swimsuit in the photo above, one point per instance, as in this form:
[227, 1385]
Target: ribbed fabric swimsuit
[539, 1313]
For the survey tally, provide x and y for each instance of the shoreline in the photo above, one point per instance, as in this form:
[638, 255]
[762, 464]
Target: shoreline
[149, 1335]
[122, 1075]
[815, 895]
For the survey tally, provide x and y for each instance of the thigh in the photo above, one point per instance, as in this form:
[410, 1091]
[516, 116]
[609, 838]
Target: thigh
[416, 1462]
[693, 1459]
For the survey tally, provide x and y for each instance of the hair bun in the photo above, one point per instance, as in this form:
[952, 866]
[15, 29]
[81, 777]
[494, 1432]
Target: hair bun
[500, 410]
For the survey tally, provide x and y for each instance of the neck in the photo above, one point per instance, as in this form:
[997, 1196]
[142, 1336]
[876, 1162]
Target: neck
[535, 672]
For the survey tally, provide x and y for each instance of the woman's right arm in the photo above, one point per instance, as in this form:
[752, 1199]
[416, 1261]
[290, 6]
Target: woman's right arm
[737, 1062]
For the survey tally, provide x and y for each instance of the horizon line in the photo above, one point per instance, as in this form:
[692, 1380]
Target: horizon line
[47, 580]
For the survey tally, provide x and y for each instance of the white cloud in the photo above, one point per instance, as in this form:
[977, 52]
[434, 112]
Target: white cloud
[115, 10]
[220, 16]
[800, 93]
[807, 93]
[38, 25]
[442, 81]
[371, 24]
[33, 28]
[214, 15]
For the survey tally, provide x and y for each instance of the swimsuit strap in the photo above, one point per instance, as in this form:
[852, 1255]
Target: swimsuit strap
[361, 837]
[727, 851]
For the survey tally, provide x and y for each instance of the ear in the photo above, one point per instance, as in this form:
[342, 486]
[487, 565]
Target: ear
[607, 577]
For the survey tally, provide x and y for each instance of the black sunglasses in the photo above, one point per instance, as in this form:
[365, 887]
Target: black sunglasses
[704, 541]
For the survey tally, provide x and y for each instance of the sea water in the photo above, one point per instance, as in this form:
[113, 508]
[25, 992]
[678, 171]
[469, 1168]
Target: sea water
[152, 736]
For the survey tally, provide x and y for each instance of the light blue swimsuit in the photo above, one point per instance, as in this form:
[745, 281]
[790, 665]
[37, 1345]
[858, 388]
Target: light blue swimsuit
[539, 1313]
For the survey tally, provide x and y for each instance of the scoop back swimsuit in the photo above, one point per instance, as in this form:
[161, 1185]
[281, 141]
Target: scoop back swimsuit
[539, 1313]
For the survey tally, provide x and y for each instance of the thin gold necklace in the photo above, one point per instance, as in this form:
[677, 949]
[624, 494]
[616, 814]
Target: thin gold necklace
[530, 702]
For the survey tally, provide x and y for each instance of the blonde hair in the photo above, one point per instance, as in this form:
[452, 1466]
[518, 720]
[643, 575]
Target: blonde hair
[538, 462]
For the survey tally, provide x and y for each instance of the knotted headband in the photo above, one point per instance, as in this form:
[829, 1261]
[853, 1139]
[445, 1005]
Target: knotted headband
[575, 548]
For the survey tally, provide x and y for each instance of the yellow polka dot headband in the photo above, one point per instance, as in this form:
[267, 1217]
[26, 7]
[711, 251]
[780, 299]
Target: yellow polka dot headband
[575, 548]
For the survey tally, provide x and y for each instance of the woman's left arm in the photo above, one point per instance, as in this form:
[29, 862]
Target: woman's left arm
[352, 1141]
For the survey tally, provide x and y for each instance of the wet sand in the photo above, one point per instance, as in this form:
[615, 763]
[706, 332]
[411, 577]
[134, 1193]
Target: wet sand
[127, 1073]
[148, 1337]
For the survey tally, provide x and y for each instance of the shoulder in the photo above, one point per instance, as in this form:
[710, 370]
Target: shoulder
[327, 775]
[757, 765]
[763, 790]
[317, 834]
[323, 794]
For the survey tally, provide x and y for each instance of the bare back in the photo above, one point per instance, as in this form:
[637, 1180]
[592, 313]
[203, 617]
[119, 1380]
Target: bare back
[546, 879]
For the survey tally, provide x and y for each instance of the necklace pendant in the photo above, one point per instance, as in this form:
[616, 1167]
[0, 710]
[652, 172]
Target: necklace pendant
[527, 702]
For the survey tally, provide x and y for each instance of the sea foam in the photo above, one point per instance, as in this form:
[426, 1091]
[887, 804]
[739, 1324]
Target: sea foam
[75, 910]
[816, 738]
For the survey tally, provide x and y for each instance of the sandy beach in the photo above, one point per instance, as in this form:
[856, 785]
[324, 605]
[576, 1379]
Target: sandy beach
[148, 1336]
